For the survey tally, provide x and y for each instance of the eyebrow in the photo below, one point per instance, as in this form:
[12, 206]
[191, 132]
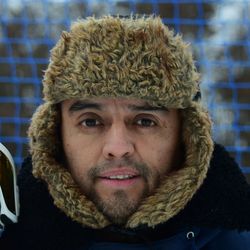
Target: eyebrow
[81, 105]
[146, 107]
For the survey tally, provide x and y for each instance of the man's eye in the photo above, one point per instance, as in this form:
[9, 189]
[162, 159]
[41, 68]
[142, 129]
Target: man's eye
[145, 122]
[90, 123]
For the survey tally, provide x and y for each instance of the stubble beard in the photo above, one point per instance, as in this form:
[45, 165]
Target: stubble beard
[119, 207]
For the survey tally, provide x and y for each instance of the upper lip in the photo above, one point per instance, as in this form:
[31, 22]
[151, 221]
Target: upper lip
[119, 172]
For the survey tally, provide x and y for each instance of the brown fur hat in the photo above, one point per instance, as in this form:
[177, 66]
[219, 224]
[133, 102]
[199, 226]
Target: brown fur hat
[118, 57]
[122, 57]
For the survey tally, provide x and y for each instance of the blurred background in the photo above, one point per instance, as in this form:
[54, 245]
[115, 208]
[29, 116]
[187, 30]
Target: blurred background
[219, 32]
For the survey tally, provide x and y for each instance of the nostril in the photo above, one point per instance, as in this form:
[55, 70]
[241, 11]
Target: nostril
[117, 153]
[110, 155]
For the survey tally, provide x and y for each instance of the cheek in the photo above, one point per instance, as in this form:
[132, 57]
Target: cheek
[169, 154]
[79, 158]
[74, 144]
[78, 167]
[160, 151]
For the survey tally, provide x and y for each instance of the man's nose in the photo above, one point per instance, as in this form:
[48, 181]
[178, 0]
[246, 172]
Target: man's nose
[118, 142]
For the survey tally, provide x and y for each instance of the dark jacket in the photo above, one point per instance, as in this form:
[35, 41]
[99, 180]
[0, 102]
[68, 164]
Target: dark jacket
[217, 217]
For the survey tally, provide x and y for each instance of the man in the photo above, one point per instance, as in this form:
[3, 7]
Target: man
[121, 150]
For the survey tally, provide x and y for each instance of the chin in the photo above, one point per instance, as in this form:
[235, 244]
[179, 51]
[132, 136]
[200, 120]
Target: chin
[118, 208]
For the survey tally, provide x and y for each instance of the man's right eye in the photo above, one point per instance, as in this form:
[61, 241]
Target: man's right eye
[90, 123]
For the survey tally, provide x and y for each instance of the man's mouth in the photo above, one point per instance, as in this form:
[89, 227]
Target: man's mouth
[119, 177]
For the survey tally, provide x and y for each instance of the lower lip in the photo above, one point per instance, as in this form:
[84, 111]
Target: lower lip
[119, 183]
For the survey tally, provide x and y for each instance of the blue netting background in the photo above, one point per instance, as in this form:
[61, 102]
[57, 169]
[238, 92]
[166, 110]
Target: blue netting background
[218, 30]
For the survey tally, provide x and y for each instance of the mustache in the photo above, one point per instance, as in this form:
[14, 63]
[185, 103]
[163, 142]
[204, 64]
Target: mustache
[142, 168]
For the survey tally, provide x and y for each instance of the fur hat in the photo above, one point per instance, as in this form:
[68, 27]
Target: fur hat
[121, 57]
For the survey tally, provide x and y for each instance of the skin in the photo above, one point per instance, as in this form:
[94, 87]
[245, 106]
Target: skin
[118, 150]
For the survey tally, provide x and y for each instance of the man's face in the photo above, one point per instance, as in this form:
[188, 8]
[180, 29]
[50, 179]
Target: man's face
[118, 150]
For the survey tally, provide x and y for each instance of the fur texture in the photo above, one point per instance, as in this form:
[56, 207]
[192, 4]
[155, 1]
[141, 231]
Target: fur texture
[115, 57]
[138, 58]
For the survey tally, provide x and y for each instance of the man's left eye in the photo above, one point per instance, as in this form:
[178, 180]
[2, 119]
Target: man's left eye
[90, 123]
[145, 122]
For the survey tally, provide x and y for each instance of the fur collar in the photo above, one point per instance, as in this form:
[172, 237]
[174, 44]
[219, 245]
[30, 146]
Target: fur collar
[223, 200]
